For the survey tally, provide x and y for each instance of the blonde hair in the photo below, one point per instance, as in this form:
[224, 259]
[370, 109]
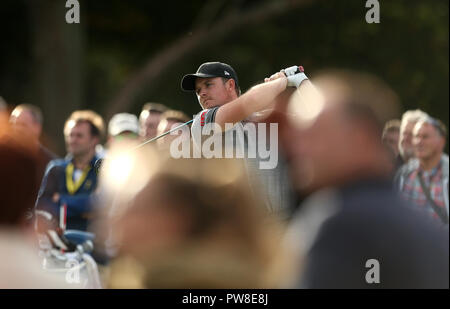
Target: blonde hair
[35, 112]
[175, 115]
[95, 121]
[230, 241]
[411, 116]
[151, 108]
[171, 115]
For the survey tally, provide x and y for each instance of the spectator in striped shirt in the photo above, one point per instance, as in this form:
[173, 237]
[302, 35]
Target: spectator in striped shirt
[424, 181]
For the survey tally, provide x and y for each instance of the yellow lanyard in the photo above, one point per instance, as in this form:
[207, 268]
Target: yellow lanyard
[71, 186]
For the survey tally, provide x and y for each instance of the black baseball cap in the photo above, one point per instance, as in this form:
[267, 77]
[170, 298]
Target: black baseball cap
[206, 70]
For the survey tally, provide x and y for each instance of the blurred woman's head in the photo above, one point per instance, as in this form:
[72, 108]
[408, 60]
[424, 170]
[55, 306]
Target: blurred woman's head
[191, 200]
[199, 212]
[18, 191]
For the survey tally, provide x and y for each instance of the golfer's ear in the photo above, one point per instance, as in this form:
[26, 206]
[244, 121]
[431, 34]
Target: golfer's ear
[231, 85]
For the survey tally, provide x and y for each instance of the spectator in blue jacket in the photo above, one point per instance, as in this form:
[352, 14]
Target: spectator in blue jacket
[68, 184]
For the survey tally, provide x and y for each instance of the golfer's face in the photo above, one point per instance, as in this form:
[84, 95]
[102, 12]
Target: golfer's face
[211, 92]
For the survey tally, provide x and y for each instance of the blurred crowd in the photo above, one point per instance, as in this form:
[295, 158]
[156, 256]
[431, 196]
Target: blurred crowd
[355, 181]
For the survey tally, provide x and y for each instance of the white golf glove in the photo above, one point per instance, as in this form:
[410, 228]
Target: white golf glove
[295, 76]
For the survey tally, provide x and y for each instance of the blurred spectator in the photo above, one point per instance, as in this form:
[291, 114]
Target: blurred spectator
[353, 217]
[123, 134]
[195, 224]
[27, 119]
[20, 266]
[3, 104]
[405, 146]
[70, 182]
[149, 119]
[390, 137]
[123, 126]
[3, 110]
[169, 120]
[424, 181]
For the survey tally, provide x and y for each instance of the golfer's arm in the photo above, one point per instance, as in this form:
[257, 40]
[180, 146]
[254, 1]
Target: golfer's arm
[256, 99]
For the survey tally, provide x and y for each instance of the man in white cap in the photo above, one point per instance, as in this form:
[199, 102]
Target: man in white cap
[123, 126]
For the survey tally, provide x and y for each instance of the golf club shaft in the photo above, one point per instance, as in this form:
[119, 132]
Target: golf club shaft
[162, 135]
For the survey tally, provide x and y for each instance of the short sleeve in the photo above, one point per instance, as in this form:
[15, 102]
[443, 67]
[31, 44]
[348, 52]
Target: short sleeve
[200, 120]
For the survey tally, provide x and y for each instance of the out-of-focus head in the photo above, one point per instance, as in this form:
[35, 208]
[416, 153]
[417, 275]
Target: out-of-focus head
[123, 126]
[149, 119]
[3, 104]
[83, 130]
[3, 110]
[191, 221]
[27, 119]
[169, 120]
[336, 127]
[18, 191]
[391, 134]
[409, 120]
[187, 200]
[429, 138]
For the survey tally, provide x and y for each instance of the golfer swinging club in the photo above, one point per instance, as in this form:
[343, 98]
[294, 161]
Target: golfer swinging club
[217, 88]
